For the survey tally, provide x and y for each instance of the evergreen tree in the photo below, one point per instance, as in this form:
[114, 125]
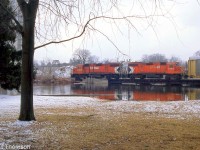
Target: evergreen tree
[10, 59]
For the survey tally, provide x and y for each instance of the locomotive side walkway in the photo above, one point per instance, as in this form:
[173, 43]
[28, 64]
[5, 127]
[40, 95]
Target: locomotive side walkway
[153, 81]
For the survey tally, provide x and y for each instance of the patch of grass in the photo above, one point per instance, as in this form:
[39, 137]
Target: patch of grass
[87, 128]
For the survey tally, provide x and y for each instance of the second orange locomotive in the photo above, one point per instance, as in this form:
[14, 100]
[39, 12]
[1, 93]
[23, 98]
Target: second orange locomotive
[166, 70]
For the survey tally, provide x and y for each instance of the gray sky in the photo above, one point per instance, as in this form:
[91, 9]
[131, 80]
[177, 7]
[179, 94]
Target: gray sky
[176, 34]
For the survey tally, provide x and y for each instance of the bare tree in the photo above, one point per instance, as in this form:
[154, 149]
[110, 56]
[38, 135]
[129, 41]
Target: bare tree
[93, 59]
[83, 56]
[51, 15]
[178, 60]
[154, 58]
[105, 61]
[175, 59]
[74, 61]
[197, 53]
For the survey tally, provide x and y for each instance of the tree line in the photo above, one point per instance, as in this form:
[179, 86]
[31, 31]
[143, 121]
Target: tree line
[84, 56]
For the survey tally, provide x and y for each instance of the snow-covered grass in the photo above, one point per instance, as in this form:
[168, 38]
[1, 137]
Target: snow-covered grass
[11, 105]
[13, 131]
[182, 108]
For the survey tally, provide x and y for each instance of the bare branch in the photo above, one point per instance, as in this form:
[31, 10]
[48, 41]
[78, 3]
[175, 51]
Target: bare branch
[95, 18]
[110, 41]
[75, 37]
[198, 2]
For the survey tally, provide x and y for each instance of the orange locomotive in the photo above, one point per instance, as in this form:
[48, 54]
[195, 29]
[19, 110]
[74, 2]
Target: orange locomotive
[96, 70]
[166, 70]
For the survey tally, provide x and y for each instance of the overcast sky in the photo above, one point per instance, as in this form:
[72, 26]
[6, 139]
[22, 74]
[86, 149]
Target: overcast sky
[176, 34]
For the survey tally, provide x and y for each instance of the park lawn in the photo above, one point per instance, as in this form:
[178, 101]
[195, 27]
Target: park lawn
[88, 123]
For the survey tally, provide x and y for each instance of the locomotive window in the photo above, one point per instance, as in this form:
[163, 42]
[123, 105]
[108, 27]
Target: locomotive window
[163, 63]
[99, 64]
[133, 64]
[114, 65]
[86, 65]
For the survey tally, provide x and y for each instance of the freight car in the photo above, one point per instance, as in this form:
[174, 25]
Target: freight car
[194, 67]
[165, 70]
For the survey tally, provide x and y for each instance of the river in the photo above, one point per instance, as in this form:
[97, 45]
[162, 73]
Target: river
[122, 92]
[118, 92]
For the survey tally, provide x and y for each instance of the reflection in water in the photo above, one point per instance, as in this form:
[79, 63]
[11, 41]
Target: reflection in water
[8, 92]
[139, 93]
[52, 89]
[123, 92]
[193, 93]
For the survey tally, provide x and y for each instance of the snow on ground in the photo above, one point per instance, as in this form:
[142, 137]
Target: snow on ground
[181, 107]
[11, 105]
[12, 132]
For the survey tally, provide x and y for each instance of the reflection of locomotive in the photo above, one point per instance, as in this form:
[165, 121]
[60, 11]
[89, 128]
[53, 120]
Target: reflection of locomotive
[166, 70]
[154, 96]
[149, 93]
[137, 93]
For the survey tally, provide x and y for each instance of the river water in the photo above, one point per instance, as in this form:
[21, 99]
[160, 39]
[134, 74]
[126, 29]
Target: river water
[118, 92]
[122, 92]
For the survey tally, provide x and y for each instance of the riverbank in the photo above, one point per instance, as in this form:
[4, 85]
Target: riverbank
[90, 123]
[46, 81]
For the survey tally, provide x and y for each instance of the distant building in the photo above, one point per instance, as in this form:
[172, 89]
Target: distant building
[55, 63]
[54, 69]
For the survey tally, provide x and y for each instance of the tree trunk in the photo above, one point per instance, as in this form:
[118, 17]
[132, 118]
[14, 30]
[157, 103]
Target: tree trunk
[29, 14]
[26, 109]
